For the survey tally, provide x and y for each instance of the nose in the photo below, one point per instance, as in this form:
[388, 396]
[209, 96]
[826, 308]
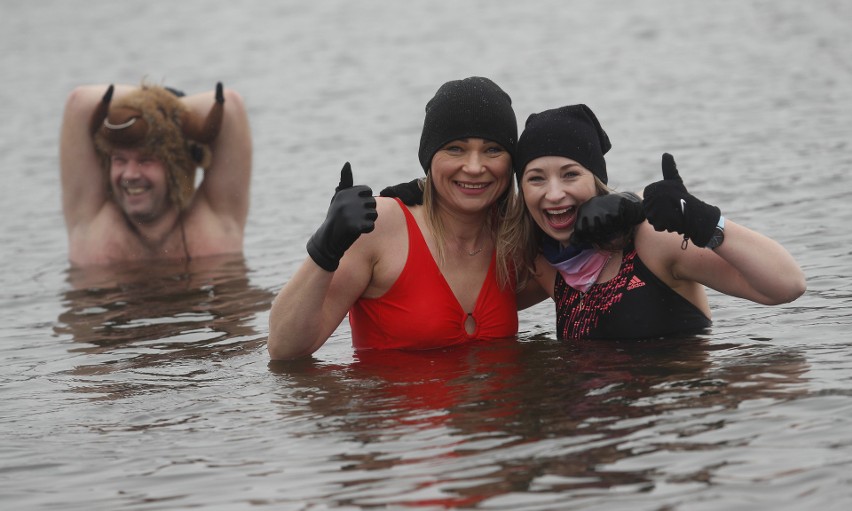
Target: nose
[132, 169]
[474, 163]
[554, 192]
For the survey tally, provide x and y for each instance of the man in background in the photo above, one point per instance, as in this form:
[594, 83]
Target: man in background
[128, 160]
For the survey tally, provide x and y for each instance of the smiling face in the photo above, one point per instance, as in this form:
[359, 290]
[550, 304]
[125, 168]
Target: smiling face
[139, 185]
[470, 174]
[554, 187]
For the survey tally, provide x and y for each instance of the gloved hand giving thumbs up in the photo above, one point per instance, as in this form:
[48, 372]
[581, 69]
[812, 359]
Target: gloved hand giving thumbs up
[669, 207]
[351, 213]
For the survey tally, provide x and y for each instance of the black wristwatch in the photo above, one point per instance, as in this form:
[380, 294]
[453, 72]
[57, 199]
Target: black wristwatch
[718, 234]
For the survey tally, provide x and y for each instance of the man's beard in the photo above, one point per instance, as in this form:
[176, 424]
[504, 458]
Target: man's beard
[149, 215]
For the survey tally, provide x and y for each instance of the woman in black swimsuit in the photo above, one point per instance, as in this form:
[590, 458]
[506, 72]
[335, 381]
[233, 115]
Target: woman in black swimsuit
[623, 267]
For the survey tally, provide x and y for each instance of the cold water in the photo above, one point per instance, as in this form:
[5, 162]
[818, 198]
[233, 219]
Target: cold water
[148, 387]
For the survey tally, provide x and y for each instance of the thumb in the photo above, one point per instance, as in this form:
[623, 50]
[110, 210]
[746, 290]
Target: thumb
[220, 96]
[345, 177]
[670, 168]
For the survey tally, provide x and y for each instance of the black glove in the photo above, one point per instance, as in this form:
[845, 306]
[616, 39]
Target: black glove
[409, 193]
[669, 207]
[220, 94]
[352, 212]
[604, 218]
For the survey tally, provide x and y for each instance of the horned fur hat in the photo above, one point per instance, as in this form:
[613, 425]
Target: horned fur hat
[152, 119]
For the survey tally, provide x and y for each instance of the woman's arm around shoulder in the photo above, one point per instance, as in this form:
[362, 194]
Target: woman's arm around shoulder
[539, 287]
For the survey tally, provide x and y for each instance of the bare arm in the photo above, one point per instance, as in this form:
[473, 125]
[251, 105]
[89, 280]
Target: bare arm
[340, 267]
[225, 187]
[747, 265]
[84, 184]
[539, 287]
[312, 305]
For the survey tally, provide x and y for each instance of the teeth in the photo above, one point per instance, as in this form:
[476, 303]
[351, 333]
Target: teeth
[473, 185]
[136, 190]
[558, 211]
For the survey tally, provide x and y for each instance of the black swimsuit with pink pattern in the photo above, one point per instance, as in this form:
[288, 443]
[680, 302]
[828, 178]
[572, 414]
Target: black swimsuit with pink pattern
[635, 304]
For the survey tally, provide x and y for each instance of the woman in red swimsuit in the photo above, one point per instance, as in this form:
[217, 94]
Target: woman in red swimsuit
[419, 276]
[623, 267]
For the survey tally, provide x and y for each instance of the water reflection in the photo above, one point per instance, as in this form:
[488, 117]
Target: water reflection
[160, 316]
[458, 426]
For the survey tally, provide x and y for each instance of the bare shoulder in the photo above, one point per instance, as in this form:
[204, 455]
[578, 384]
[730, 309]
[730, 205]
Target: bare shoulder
[103, 239]
[390, 217]
[389, 227]
[209, 232]
[386, 247]
[659, 250]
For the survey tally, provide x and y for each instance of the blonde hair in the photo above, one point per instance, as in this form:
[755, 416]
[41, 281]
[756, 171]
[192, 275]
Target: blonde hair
[523, 237]
[494, 223]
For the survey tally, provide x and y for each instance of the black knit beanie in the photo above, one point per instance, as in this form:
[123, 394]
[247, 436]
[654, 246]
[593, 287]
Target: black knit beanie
[473, 107]
[571, 131]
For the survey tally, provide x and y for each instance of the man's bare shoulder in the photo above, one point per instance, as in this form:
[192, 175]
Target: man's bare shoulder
[105, 238]
[209, 233]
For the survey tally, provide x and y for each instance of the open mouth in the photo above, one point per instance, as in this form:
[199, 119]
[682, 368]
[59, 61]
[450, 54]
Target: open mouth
[560, 218]
[133, 187]
[135, 190]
